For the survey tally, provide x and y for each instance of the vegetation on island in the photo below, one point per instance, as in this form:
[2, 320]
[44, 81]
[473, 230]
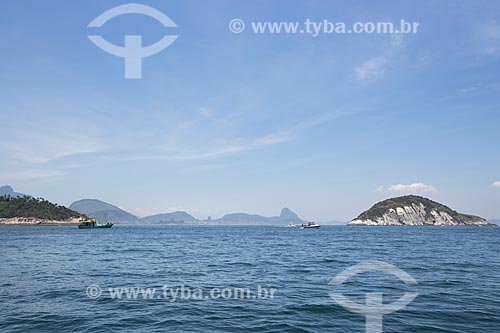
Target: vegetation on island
[379, 209]
[29, 207]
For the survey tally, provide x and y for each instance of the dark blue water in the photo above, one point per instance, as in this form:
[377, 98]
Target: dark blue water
[45, 271]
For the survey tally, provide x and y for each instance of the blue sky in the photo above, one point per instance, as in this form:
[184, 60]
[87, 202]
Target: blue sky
[224, 122]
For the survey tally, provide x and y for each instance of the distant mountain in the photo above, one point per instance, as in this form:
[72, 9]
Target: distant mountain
[170, 218]
[243, 218]
[101, 210]
[7, 190]
[286, 216]
[415, 210]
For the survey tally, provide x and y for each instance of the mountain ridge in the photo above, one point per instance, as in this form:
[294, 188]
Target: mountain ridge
[101, 210]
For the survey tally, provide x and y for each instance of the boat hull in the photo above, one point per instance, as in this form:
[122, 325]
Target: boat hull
[104, 226]
[310, 226]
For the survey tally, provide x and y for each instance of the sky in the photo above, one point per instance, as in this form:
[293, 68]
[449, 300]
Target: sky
[225, 122]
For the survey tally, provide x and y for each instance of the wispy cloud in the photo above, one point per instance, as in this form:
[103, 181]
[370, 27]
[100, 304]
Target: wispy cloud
[468, 89]
[375, 67]
[37, 145]
[45, 153]
[370, 69]
[238, 145]
[38, 150]
[415, 188]
[224, 150]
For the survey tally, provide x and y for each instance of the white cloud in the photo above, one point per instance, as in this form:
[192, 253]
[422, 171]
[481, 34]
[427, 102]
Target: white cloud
[496, 184]
[372, 68]
[415, 188]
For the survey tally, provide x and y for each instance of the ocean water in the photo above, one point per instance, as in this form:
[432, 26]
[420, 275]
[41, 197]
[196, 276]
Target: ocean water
[45, 273]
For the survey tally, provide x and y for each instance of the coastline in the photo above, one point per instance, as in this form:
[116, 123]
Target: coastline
[30, 221]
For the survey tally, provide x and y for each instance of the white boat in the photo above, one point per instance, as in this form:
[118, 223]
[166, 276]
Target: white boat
[291, 225]
[310, 225]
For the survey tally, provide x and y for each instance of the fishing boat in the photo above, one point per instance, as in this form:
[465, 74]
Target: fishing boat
[310, 225]
[92, 223]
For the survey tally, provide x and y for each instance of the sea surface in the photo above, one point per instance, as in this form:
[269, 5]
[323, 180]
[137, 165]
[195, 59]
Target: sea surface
[45, 274]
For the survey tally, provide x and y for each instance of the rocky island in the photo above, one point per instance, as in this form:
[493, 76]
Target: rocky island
[414, 210]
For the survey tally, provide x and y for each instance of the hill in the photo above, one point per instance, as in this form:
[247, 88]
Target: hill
[33, 210]
[242, 219]
[285, 217]
[414, 210]
[170, 218]
[101, 210]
